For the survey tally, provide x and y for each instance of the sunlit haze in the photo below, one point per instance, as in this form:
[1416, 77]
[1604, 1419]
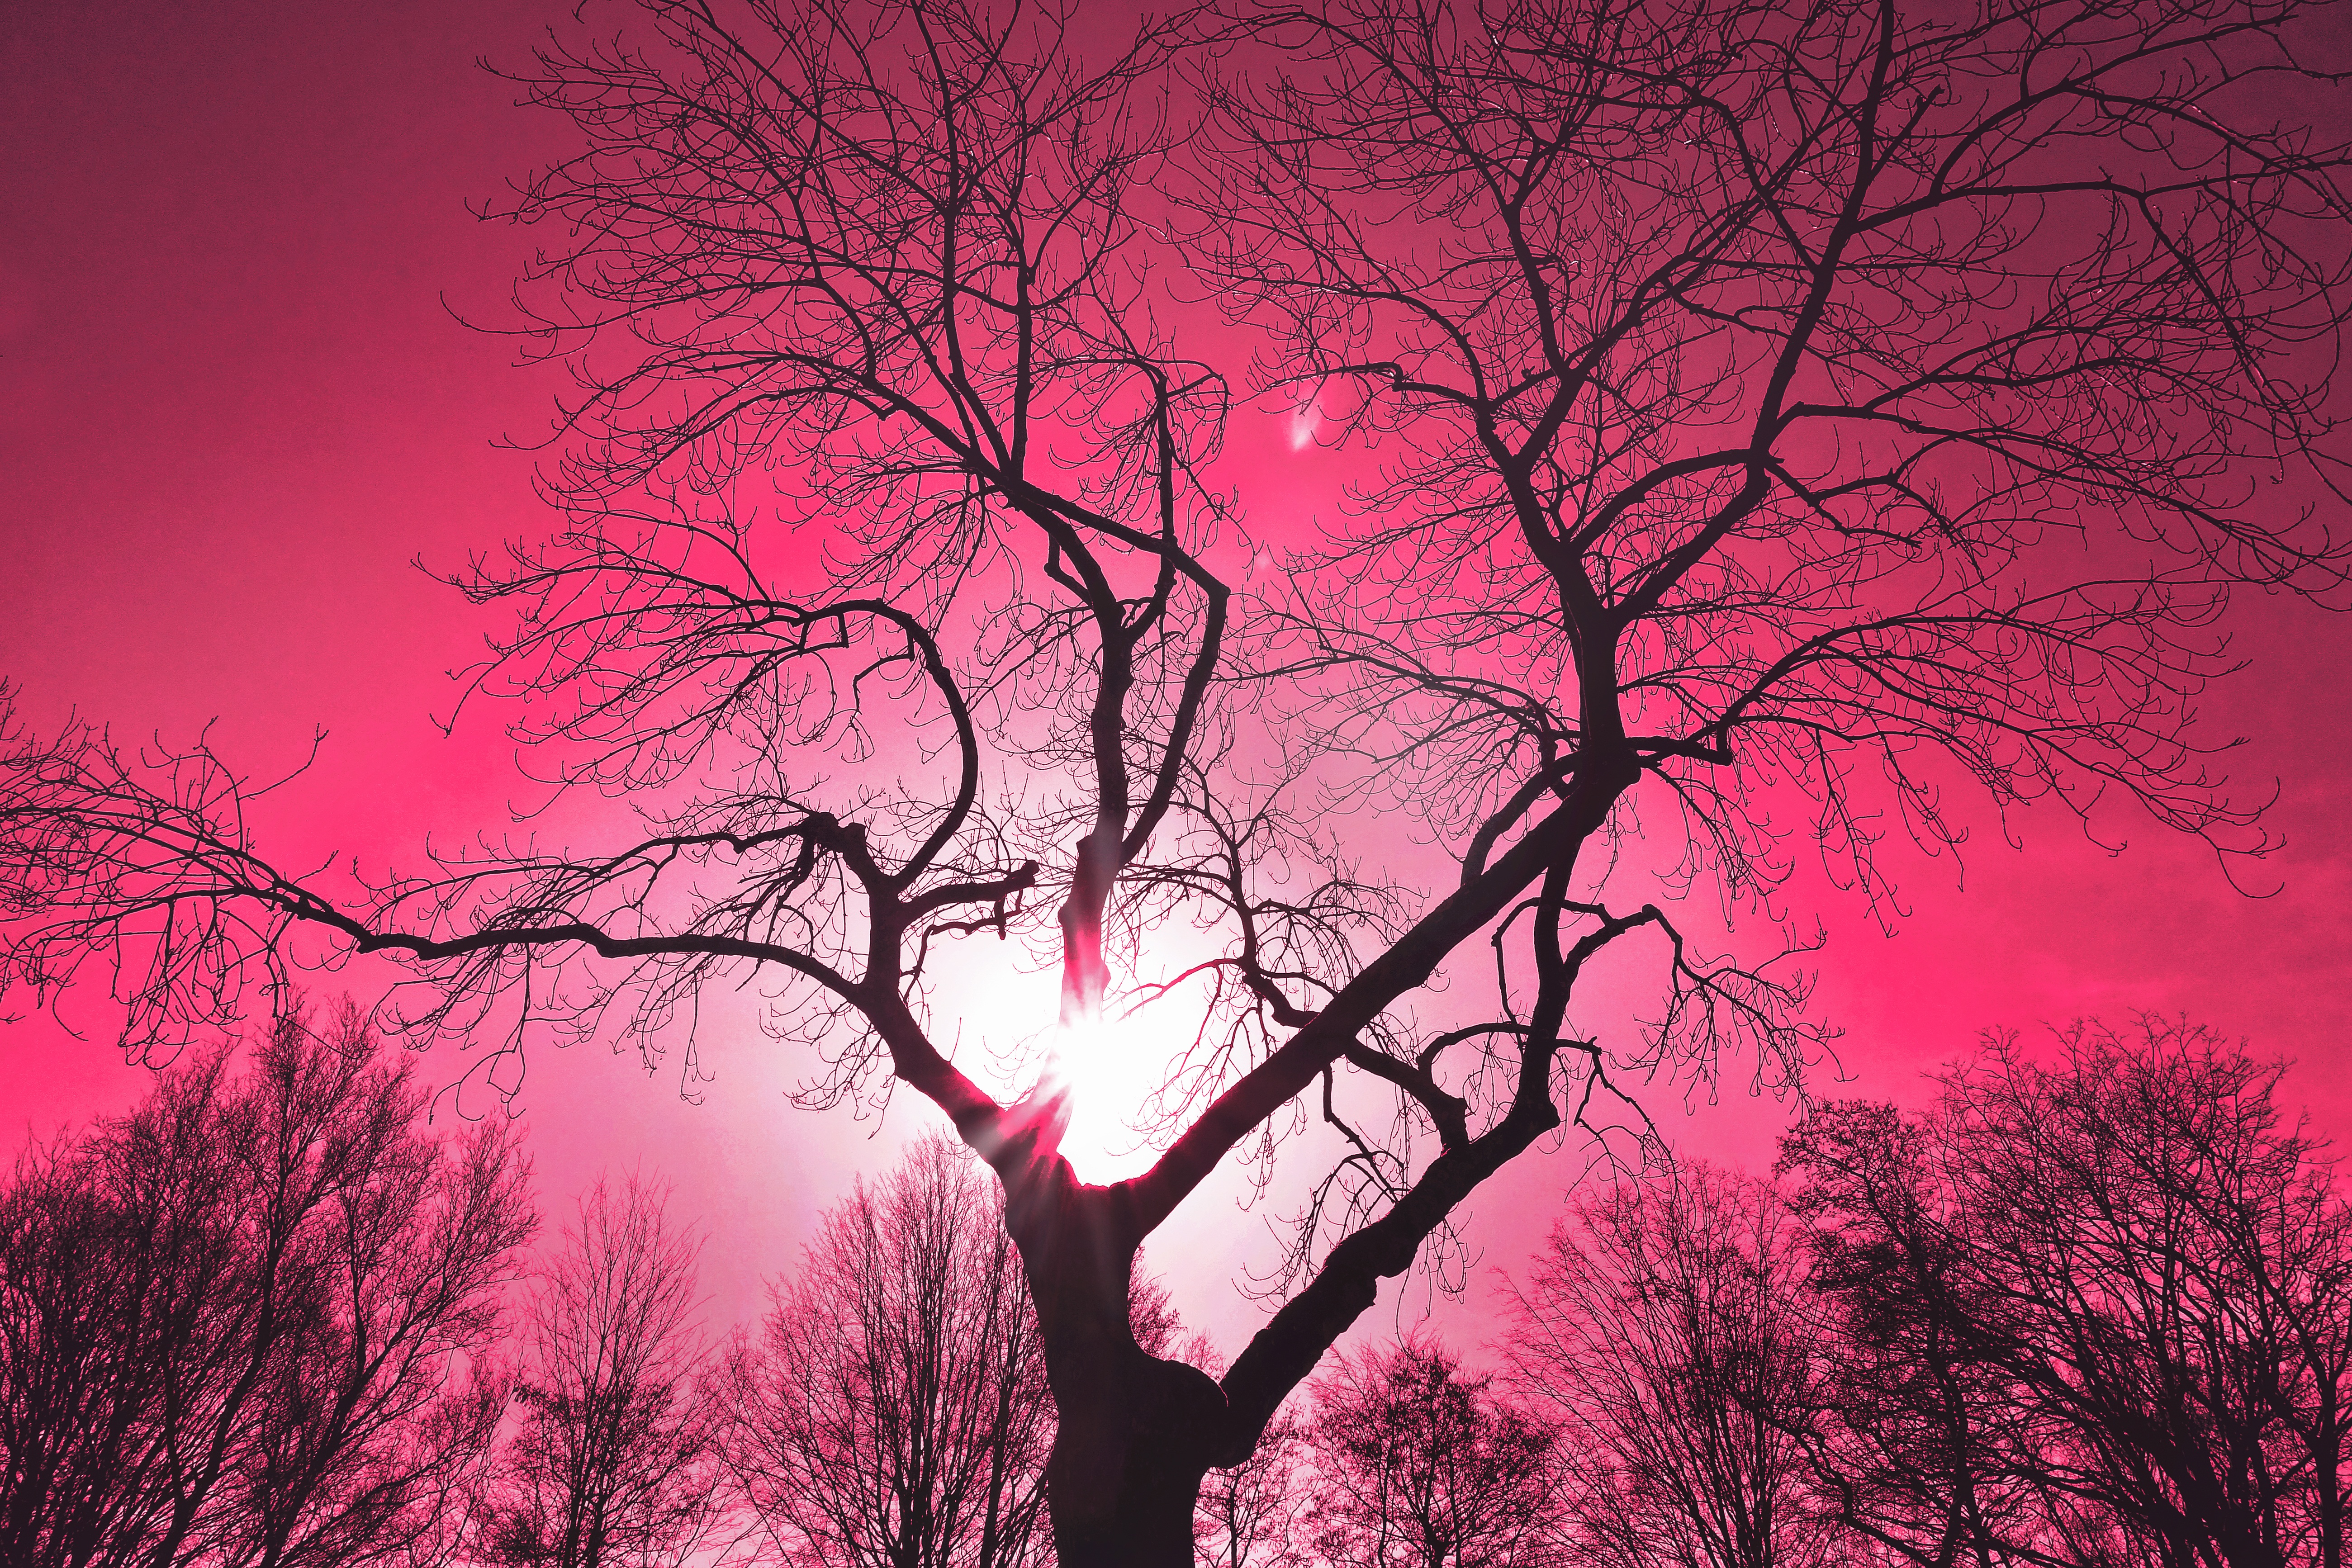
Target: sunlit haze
[1110, 1070]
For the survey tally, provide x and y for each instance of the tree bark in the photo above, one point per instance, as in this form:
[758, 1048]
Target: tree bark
[1137, 1433]
[1128, 1463]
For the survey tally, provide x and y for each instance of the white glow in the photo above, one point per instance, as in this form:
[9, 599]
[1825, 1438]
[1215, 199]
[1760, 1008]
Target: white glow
[1110, 1069]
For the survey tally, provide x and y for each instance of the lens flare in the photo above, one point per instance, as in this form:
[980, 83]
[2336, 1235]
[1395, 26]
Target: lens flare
[1305, 424]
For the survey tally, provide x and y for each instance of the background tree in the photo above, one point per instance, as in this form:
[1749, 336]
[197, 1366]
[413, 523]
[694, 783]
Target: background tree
[1774, 399]
[1915, 1440]
[614, 1462]
[1260, 1512]
[894, 1408]
[2172, 1285]
[236, 1323]
[1257, 1514]
[1417, 1464]
[2138, 1275]
[1666, 1330]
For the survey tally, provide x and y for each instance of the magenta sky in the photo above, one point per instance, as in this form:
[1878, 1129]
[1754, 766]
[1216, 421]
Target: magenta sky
[234, 409]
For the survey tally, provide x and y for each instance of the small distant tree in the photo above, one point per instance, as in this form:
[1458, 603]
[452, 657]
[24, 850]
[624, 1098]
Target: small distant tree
[1258, 1513]
[893, 1408]
[238, 1325]
[1420, 1467]
[614, 1462]
[1666, 1329]
[1915, 1440]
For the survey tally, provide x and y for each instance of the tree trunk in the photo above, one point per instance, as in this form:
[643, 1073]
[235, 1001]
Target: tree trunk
[1136, 1432]
[1126, 1466]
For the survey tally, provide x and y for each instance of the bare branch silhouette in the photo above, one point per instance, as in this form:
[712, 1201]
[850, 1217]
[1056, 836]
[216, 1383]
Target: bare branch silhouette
[235, 1323]
[1784, 414]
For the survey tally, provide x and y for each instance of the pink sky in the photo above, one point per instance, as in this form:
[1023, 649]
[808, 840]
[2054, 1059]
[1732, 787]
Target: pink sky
[235, 409]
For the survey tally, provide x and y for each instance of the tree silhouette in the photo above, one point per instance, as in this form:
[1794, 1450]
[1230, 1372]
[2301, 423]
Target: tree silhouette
[1666, 1332]
[894, 1408]
[1420, 1465]
[233, 1322]
[2137, 1274]
[1259, 1513]
[1915, 1440]
[1782, 411]
[615, 1460]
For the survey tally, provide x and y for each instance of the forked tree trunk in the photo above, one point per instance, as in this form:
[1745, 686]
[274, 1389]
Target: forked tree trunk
[1135, 1431]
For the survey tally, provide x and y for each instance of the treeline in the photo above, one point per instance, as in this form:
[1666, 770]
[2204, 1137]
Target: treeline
[271, 1319]
[2091, 1309]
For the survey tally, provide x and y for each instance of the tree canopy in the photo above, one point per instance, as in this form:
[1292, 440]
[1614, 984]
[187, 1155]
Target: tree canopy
[1774, 415]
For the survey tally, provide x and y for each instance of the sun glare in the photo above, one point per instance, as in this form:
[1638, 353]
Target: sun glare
[1110, 1069]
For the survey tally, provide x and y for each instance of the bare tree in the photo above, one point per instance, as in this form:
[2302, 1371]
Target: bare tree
[1750, 379]
[1258, 1513]
[1417, 1464]
[2142, 1281]
[894, 1409]
[1667, 1331]
[615, 1461]
[236, 1324]
[1915, 1440]
[2175, 1288]
[103, 1293]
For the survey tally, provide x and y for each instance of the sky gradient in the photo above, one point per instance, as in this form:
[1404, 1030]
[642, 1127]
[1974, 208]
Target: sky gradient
[237, 409]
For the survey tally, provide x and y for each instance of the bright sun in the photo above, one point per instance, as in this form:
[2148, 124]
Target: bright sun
[1110, 1069]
